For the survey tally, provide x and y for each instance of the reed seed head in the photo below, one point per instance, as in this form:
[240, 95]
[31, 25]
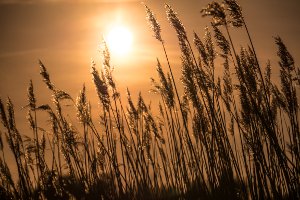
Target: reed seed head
[175, 22]
[153, 23]
[101, 87]
[235, 13]
[286, 59]
[216, 11]
[30, 96]
[46, 76]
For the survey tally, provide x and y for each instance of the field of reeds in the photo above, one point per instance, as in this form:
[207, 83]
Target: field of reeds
[229, 136]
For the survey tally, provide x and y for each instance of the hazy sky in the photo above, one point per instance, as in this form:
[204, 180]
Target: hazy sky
[65, 35]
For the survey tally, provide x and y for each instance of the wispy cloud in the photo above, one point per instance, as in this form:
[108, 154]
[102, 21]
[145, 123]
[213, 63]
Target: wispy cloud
[64, 1]
[21, 53]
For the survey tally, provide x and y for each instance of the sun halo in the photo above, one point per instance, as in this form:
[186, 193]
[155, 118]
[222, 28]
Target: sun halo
[119, 40]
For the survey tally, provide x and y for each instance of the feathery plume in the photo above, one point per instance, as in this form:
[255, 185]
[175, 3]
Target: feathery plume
[83, 107]
[46, 76]
[235, 13]
[154, 25]
[286, 59]
[216, 11]
[267, 77]
[190, 89]
[131, 110]
[101, 87]
[150, 121]
[175, 22]
[166, 87]
[61, 95]
[105, 53]
[11, 114]
[209, 46]
[132, 113]
[185, 107]
[31, 97]
[279, 98]
[141, 106]
[108, 69]
[30, 120]
[221, 41]
[201, 48]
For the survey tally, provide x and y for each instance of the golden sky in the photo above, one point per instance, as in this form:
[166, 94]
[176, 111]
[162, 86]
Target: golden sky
[65, 35]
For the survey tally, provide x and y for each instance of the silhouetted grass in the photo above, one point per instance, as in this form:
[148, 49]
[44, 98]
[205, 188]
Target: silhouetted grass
[234, 136]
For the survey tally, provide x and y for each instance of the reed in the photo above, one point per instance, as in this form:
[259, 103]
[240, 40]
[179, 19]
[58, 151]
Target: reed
[229, 136]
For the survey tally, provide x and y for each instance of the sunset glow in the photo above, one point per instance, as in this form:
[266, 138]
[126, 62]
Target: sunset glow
[119, 40]
[141, 99]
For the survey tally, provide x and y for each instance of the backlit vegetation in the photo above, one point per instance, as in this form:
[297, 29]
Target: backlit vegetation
[229, 136]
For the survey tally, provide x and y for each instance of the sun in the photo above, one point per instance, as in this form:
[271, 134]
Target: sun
[119, 40]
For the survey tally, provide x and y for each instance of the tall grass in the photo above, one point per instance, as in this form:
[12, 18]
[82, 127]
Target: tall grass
[230, 136]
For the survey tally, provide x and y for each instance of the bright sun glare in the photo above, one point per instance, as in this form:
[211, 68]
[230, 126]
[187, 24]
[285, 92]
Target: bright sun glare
[119, 40]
